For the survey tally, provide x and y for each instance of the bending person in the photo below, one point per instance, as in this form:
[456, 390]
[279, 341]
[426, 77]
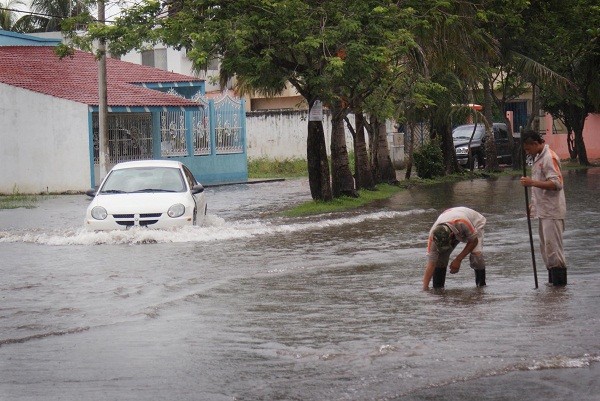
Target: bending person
[458, 224]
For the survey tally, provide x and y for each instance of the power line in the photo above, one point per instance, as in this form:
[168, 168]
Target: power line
[37, 14]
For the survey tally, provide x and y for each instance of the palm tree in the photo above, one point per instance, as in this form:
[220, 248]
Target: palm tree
[7, 15]
[48, 14]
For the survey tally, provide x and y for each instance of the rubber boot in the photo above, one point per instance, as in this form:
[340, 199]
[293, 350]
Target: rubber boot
[549, 276]
[480, 277]
[559, 276]
[439, 277]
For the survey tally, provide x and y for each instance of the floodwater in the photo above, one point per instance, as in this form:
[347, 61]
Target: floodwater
[254, 306]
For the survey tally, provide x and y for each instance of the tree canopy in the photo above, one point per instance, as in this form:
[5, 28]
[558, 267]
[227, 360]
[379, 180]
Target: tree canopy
[388, 59]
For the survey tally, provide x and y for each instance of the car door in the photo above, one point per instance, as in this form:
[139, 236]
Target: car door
[199, 198]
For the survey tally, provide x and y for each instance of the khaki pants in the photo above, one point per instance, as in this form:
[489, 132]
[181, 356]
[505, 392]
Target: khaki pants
[476, 260]
[551, 242]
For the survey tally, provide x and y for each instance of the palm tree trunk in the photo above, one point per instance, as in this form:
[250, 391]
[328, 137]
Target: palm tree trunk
[362, 169]
[342, 182]
[381, 163]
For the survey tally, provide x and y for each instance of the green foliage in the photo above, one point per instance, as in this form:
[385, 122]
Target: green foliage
[429, 161]
[7, 16]
[264, 167]
[17, 200]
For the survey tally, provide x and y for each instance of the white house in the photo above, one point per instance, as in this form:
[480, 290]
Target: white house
[49, 114]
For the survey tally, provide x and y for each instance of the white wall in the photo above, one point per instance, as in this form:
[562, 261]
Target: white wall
[43, 143]
[282, 134]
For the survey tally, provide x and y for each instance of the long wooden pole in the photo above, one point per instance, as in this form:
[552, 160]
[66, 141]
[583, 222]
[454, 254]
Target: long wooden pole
[524, 162]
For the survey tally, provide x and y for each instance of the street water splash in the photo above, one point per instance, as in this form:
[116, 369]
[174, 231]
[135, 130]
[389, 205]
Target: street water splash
[213, 229]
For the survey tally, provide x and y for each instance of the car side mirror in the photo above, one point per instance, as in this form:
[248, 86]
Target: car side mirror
[198, 188]
[91, 192]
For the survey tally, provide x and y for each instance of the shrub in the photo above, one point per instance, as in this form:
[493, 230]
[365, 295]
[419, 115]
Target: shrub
[429, 160]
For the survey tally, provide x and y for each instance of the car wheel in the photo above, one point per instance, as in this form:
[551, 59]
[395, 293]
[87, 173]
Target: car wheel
[195, 220]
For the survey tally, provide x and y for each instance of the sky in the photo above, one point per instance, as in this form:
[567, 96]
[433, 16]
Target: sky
[113, 8]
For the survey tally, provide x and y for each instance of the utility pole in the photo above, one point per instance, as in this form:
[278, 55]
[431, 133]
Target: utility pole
[102, 99]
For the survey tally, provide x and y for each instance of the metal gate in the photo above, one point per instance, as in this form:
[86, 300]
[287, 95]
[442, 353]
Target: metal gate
[215, 127]
[228, 127]
[129, 137]
[419, 132]
[201, 130]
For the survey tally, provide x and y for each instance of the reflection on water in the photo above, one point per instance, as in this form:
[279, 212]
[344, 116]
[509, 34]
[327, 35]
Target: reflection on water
[255, 306]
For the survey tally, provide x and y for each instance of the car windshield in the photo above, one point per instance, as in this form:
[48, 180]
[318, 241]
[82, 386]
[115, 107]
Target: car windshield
[466, 131]
[144, 179]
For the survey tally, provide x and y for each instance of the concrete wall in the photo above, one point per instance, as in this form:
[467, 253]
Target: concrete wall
[43, 143]
[281, 134]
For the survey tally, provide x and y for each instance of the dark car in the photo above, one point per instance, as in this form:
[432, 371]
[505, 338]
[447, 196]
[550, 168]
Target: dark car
[462, 134]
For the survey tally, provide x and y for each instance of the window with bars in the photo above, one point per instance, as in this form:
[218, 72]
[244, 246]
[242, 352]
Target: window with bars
[172, 134]
[129, 137]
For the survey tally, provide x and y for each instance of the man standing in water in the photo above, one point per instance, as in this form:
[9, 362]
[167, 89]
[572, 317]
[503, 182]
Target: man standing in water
[458, 224]
[547, 204]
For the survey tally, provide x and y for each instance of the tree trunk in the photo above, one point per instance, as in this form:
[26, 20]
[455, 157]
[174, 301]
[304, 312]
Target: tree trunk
[533, 122]
[580, 146]
[575, 119]
[411, 146]
[318, 166]
[491, 154]
[448, 152]
[381, 162]
[363, 175]
[342, 182]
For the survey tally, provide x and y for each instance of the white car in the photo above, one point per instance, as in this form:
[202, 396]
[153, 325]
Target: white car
[158, 194]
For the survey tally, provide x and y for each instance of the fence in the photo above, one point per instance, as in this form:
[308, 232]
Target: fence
[215, 128]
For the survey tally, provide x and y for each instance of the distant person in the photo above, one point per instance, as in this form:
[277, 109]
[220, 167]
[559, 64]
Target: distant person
[547, 204]
[458, 224]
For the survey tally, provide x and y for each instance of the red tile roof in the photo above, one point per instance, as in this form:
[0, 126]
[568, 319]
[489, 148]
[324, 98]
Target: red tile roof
[39, 69]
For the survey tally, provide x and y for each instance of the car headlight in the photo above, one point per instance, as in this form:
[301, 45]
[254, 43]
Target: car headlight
[462, 150]
[176, 210]
[99, 213]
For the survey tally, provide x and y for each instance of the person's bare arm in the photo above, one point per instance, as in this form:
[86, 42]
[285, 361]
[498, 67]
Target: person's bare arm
[455, 265]
[429, 268]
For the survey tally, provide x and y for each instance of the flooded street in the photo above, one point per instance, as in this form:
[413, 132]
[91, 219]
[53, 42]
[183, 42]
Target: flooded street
[254, 306]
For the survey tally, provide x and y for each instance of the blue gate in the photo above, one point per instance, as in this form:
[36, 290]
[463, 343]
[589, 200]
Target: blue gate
[209, 139]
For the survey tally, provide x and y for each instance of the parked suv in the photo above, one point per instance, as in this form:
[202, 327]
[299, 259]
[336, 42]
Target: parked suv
[462, 134]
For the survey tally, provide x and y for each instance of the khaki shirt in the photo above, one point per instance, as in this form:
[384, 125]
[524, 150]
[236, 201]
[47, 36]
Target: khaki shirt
[548, 204]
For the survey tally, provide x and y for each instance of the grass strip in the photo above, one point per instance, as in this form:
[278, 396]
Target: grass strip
[264, 167]
[383, 191]
[15, 201]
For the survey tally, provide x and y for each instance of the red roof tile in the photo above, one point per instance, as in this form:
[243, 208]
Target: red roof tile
[39, 69]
